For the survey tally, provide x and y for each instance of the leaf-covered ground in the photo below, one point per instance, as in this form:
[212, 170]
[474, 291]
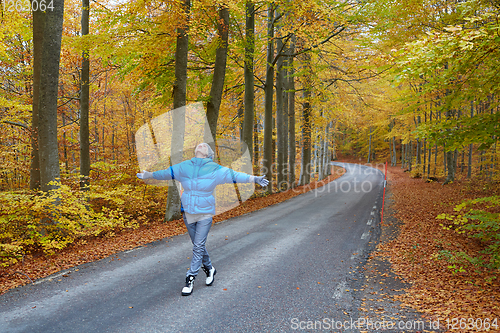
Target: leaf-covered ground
[37, 266]
[438, 290]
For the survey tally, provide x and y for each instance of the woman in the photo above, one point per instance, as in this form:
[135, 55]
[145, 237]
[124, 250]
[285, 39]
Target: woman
[199, 176]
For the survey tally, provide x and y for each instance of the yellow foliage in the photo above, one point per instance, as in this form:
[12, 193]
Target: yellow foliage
[52, 221]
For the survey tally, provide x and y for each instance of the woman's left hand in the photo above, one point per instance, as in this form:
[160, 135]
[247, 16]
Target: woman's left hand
[261, 180]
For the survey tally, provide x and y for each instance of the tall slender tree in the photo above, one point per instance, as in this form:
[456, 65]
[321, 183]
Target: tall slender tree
[291, 114]
[280, 117]
[47, 105]
[38, 26]
[219, 75]
[248, 123]
[269, 90]
[173, 209]
[84, 104]
[305, 172]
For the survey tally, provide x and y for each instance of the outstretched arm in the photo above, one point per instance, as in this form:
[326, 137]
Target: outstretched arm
[159, 175]
[230, 176]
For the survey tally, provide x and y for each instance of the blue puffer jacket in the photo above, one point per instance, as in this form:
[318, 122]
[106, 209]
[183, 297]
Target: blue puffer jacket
[199, 177]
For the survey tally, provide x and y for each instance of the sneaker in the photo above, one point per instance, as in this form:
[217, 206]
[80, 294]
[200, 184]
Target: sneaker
[210, 275]
[188, 289]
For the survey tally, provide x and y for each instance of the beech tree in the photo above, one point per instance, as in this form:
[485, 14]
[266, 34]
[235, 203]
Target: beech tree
[173, 209]
[248, 121]
[84, 104]
[269, 91]
[48, 93]
[219, 73]
[38, 26]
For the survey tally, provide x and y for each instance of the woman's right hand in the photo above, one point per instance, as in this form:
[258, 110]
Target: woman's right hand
[145, 175]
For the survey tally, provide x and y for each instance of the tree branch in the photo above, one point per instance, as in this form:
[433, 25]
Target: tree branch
[26, 127]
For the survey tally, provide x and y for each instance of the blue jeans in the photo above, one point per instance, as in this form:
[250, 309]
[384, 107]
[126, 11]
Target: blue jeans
[198, 232]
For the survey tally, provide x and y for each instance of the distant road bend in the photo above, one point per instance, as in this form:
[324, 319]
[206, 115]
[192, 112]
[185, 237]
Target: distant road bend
[277, 269]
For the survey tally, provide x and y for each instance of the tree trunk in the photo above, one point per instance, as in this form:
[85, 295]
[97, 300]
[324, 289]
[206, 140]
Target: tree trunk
[419, 144]
[268, 117]
[334, 152]
[173, 209]
[38, 26]
[65, 145]
[104, 116]
[217, 88]
[402, 148]
[469, 167]
[286, 169]
[306, 125]
[451, 166]
[84, 105]
[256, 143]
[281, 136]
[424, 148]
[410, 156]
[291, 116]
[370, 146]
[47, 106]
[326, 152]
[394, 152]
[248, 126]
[450, 158]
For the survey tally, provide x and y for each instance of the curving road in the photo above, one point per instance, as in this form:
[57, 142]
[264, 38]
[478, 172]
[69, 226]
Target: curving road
[286, 267]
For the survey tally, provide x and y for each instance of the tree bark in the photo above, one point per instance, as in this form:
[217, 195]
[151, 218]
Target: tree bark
[419, 144]
[370, 146]
[305, 177]
[84, 105]
[38, 26]
[402, 148]
[286, 166]
[325, 170]
[469, 167]
[256, 143]
[280, 117]
[217, 88]
[450, 158]
[291, 116]
[394, 152]
[248, 122]
[268, 113]
[47, 106]
[173, 209]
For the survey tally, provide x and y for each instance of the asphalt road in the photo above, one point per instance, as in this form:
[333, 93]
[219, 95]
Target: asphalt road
[284, 268]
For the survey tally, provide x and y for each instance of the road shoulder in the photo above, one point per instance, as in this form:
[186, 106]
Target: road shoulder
[376, 286]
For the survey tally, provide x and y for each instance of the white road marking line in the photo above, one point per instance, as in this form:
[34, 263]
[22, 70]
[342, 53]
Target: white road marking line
[369, 222]
[339, 291]
[51, 277]
[365, 235]
[135, 249]
[372, 213]
[355, 254]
